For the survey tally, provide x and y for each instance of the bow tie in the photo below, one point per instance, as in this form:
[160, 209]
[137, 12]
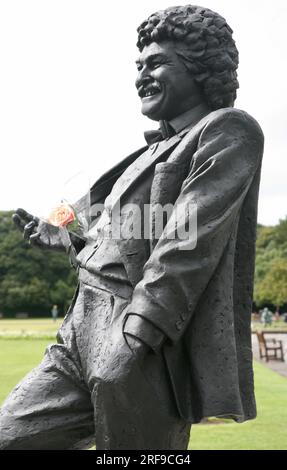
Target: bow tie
[164, 132]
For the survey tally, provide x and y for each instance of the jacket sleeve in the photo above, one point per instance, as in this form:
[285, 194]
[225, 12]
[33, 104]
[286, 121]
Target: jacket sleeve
[229, 152]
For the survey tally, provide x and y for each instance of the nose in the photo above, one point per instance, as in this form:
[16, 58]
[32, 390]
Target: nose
[142, 78]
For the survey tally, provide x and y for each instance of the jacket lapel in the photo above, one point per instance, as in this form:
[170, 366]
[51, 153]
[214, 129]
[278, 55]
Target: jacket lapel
[139, 167]
[134, 252]
[102, 187]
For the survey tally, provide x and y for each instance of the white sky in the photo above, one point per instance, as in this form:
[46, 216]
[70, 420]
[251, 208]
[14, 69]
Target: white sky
[68, 100]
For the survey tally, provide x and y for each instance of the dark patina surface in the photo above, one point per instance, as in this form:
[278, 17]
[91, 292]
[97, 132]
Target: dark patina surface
[158, 334]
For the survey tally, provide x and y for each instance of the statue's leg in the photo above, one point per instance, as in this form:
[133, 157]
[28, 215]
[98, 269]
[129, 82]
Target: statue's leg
[51, 407]
[138, 414]
[133, 405]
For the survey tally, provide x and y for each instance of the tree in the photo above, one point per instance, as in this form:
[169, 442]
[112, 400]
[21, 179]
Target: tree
[271, 265]
[273, 287]
[31, 279]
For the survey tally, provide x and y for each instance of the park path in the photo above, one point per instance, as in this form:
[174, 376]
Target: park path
[277, 366]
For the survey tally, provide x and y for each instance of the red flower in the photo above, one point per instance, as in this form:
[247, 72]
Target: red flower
[61, 216]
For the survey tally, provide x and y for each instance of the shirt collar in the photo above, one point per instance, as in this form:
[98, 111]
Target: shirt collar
[189, 118]
[183, 121]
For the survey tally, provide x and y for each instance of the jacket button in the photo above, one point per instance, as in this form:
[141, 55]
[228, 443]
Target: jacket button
[178, 325]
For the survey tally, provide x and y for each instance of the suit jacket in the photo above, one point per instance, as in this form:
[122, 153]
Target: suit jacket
[200, 298]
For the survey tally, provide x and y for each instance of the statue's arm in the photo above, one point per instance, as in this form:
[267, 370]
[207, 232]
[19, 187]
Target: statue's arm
[223, 167]
[42, 234]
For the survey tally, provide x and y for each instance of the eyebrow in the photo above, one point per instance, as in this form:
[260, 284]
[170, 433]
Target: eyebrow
[152, 57]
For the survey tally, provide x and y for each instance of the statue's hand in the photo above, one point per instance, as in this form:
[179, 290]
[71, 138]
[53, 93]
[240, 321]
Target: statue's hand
[38, 232]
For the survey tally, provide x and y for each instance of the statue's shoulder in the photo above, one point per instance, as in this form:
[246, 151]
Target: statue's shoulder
[227, 118]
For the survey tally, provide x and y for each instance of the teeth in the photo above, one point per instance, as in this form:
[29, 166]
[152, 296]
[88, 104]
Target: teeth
[152, 91]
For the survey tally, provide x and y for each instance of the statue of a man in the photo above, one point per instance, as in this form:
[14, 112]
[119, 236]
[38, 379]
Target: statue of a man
[158, 333]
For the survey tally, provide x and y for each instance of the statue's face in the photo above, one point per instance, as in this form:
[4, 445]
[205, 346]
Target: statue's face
[166, 88]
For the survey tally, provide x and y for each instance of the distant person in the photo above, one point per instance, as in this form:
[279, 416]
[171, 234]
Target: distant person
[266, 317]
[55, 312]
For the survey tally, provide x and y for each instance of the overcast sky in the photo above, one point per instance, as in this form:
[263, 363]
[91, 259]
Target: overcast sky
[68, 100]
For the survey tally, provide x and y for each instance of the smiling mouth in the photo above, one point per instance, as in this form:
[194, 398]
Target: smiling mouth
[149, 90]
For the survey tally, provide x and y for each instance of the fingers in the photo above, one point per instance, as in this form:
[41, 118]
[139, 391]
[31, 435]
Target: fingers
[26, 216]
[25, 222]
[29, 229]
[35, 239]
[18, 222]
[28, 224]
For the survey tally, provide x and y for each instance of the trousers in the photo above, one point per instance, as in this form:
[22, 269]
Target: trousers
[90, 389]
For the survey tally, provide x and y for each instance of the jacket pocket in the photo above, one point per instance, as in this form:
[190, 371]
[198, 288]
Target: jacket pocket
[167, 181]
[171, 167]
[165, 189]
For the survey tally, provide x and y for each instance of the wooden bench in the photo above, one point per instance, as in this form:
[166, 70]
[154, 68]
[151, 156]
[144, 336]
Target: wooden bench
[270, 348]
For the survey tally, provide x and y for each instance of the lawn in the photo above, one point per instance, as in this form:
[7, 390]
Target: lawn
[17, 357]
[276, 325]
[30, 327]
[268, 431]
[22, 346]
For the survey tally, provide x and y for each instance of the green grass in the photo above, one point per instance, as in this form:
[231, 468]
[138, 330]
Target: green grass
[276, 325]
[30, 327]
[268, 431]
[17, 358]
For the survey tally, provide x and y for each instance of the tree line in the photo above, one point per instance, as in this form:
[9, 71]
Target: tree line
[271, 266]
[32, 280]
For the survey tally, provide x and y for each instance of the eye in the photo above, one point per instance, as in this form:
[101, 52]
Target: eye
[139, 66]
[155, 65]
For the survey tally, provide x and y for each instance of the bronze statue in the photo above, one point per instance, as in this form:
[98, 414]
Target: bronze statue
[158, 333]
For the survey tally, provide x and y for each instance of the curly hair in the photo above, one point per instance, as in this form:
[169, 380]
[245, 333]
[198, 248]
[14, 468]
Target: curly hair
[206, 48]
